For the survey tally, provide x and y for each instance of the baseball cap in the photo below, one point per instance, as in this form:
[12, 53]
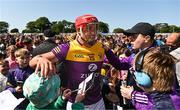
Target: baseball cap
[141, 28]
[49, 33]
[41, 91]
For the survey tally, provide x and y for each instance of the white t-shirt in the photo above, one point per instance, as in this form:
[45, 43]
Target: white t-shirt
[3, 81]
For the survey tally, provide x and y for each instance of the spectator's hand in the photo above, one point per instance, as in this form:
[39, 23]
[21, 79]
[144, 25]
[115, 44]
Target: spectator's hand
[46, 67]
[18, 89]
[61, 89]
[127, 91]
[79, 97]
[66, 94]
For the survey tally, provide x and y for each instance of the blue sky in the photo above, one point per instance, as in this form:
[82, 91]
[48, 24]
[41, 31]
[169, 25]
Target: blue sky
[117, 13]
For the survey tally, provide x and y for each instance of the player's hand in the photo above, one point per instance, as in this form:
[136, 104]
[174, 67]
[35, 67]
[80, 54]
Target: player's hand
[46, 67]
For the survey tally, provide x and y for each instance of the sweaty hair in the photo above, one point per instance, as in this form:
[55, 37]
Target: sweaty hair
[22, 52]
[161, 68]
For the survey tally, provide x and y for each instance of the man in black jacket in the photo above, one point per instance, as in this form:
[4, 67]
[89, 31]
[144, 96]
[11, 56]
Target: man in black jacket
[47, 45]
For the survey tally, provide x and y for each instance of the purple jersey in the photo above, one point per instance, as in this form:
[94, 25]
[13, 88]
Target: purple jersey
[18, 76]
[80, 62]
[156, 100]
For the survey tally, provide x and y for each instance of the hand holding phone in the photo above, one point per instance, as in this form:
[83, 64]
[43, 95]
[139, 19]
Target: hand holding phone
[124, 84]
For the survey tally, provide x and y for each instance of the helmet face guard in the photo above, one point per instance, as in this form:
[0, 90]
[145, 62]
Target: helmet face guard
[89, 32]
[93, 27]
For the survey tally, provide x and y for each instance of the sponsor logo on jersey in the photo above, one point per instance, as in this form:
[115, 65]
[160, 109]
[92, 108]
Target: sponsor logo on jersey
[92, 67]
[91, 57]
[78, 56]
[100, 55]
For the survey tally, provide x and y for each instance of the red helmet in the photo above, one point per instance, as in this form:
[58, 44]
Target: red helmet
[84, 19]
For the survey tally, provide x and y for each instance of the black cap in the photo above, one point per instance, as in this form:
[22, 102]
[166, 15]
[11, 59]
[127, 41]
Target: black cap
[49, 33]
[141, 28]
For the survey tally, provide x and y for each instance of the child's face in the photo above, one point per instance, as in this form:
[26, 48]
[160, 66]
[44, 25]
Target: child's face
[4, 68]
[23, 61]
[11, 52]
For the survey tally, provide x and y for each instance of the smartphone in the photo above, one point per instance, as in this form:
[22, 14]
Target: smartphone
[124, 83]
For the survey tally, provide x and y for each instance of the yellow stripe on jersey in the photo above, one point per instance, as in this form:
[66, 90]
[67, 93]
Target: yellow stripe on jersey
[81, 53]
[57, 49]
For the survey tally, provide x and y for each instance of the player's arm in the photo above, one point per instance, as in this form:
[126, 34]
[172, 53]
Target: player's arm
[45, 63]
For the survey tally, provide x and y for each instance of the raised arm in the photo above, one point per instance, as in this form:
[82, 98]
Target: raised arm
[116, 62]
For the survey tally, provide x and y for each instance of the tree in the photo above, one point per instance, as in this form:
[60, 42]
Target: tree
[174, 28]
[165, 30]
[57, 27]
[69, 27]
[161, 27]
[27, 31]
[118, 30]
[4, 27]
[15, 30]
[177, 29]
[54, 22]
[103, 27]
[42, 24]
[31, 27]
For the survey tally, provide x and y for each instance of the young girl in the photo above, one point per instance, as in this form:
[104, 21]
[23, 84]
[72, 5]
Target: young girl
[11, 56]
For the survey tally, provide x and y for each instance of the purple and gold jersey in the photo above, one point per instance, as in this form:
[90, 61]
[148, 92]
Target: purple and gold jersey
[80, 62]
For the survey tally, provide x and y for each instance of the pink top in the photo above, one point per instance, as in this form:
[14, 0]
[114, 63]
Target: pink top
[12, 63]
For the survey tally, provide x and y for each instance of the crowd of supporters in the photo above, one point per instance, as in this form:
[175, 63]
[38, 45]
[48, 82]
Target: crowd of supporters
[16, 50]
